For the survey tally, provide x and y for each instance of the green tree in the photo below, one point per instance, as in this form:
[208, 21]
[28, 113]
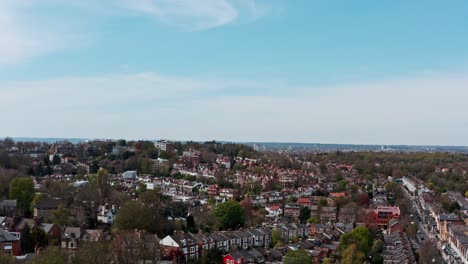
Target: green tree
[312, 220]
[52, 255]
[134, 215]
[190, 224]
[230, 214]
[352, 256]
[22, 189]
[361, 237]
[92, 253]
[466, 194]
[304, 214]
[412, 230]
[211, 256]
[39, 237]
[26, 242]
[276, 237]
[323, 202]
[56, 160]
[102, 182]
[297, 257]
[342, 185]
[7, 259]
[61, 216]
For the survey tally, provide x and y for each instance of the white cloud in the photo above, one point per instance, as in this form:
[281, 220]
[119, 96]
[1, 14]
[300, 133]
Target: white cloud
[419, 110]
[196, 14]
[22, 37]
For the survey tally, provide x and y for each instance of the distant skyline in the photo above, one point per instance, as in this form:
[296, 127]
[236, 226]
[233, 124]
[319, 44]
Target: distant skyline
[344, 72]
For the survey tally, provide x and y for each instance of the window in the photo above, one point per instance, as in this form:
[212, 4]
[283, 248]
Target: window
[7, 246]
[72, 245]
[192, 250]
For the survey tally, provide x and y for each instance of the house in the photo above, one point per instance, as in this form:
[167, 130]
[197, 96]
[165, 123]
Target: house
[383, 214]
[274, 211]
[8, 207]
[71, 237]
[395, 226]
[304, 201]
[9, 243]
[292, 210]
[239, 257]
[106, 214]
[397, 249]
[165, 145]
[43, 208]
[213, 189]
[130, 175]
[457, 237]
[179, 243]
[138, 245]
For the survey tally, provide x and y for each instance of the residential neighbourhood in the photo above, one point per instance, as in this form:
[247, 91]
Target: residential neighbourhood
[186, 203]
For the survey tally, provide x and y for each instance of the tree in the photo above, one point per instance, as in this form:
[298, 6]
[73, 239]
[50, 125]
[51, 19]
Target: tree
[304, 214]
[276, 237]
[230, 215]
[428, 253]
[412, 230]
[190, 224]
[56, 160]
[39, 237]
[312, 220]
[322, 202]
[466, 194]
[134, 215]
[102, 181]
[61, 216]
[352, 256]
[7, 259]
[22, 189]
[211, 256]
[26, 241]
[361, 237]
[92, 253]
[297, 257]
[52, 255]
[342, 185]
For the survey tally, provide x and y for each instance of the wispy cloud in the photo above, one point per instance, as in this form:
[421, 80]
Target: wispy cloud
[419, 110]
[196, 14]
[23, 36]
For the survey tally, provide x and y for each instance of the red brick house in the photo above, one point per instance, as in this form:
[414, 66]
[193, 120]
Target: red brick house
[228, 259]
[383, 214]
[9, 243]
[304, 201]
[395, 226]
[213, 189]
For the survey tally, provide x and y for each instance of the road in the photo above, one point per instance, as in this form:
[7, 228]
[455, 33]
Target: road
[423, 234]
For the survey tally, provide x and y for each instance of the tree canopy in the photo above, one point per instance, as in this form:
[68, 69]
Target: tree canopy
[22, 189]
[297, 257]
[360, 238]
[133, 215]
[230, 215]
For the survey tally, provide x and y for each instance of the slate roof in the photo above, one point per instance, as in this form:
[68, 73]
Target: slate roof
[7, 237]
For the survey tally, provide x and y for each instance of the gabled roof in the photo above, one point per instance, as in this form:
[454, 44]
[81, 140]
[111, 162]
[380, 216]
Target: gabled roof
[48, 203]
[7, 237]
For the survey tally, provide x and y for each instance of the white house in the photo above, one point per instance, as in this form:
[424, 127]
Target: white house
[274, 211]
[106, 214]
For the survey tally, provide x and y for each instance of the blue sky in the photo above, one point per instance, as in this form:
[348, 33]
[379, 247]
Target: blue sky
[370, 72]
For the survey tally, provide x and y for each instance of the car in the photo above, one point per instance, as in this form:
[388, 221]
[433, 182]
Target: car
[419, 231]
